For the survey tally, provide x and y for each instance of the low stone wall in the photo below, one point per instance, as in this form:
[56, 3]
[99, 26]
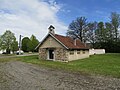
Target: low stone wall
[43, 53]
[61, 54]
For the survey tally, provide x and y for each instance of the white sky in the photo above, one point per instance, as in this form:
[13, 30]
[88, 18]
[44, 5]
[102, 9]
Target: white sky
[27, 17]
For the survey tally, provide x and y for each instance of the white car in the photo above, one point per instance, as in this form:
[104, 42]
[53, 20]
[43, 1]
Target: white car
[21, 52]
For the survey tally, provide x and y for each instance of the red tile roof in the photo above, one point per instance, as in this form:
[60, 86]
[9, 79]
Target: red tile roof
[70, 43]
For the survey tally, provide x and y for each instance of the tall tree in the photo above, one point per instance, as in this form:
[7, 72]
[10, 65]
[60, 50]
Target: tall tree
[34, 41]
[100, 35]
[109, 31]
[100, 32]
[27, 44]
[78, 29]
[30, 46]
[115, 20]
[14, 46]
[91, 33]
[7, 40]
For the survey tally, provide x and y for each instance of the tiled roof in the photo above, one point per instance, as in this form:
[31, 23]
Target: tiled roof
[70, 43]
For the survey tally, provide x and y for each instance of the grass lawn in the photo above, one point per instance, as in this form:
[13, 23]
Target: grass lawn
[2, 60]
[106, 64]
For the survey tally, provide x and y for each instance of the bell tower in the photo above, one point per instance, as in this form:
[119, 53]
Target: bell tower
[51, 29]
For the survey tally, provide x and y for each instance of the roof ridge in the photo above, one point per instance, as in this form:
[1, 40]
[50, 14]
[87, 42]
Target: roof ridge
[60, 35]
[64, 36]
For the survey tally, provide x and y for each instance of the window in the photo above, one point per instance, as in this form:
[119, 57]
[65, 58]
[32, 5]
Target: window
[83, 51]
[78, 51]
[71, 52]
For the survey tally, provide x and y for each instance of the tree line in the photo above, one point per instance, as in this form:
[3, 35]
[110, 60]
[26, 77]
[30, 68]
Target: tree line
[99, 34]
[29, 44]
[9, 43]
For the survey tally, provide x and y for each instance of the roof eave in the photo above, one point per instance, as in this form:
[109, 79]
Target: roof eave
[54, 38]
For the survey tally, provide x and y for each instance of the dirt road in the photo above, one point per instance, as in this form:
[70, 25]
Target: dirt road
[16, 75]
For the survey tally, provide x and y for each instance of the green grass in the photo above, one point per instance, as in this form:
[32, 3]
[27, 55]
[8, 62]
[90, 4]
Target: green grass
[107, 64]
[2, 60]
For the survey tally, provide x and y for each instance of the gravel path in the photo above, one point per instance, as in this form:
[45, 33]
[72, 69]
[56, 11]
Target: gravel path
[17, 75]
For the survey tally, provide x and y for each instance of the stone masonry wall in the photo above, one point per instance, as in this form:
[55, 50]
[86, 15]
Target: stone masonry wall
[42, 53]
[61, 54]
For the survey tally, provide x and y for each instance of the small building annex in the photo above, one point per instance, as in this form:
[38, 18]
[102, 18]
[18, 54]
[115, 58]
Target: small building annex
[61, 48]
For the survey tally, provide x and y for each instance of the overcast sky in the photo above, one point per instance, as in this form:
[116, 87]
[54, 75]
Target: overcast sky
[27, 17]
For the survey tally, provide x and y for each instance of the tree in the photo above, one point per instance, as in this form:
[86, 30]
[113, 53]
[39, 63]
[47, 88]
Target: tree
[7, 40]
[78, 29]
[109, 31]
[30, 46]
[100, 32]
[115, 20]
[14, 46]
[27, 44]
[34, 41]
[91, 33]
